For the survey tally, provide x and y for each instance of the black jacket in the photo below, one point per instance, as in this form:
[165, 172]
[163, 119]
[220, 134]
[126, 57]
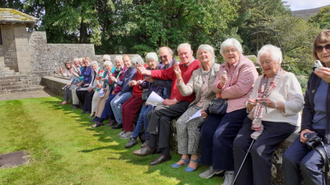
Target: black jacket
[308, 111]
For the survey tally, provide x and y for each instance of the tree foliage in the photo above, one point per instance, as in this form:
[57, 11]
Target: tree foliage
[322, 19]
[140, 26]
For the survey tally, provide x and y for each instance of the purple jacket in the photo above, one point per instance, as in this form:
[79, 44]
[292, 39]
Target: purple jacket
[148, 87]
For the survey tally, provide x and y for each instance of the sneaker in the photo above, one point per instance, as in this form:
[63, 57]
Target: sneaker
[229, 178]
[209, 173]
[121, 133]
[127, 135]
[131, 143]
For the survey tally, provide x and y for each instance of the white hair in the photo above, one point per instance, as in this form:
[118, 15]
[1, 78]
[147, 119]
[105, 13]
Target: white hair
[207, 48]
[107, 63]
[183, 45]
[231, 42]
[95, 62]
[275, 53]
[80, 59]
[153, 56]
[119, 57]
[106, 57]
[137, 60]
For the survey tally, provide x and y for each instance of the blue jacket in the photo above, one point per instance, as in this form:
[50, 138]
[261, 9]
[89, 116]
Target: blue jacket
[128, 76]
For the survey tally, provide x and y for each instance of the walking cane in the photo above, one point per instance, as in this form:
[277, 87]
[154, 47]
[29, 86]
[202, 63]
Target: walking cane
[240, 168]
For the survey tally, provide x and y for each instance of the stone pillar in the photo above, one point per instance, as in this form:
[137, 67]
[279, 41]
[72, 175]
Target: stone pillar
[22, 49]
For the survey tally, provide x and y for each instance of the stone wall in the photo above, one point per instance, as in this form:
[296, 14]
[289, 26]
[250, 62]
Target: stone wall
[9, 47]
[47, 58]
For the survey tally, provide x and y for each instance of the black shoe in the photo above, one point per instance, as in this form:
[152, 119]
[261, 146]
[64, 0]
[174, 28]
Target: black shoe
[131, 143]
[75, 107]
[90, 116]
[160, 159]
[118, 126]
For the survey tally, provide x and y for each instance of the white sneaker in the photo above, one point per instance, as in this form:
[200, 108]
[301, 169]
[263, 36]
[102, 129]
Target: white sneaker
[121, 133]
[229, 178]
[209, 173]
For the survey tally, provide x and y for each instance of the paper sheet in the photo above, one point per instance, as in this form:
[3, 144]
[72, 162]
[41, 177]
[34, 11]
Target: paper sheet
[196, 115]
[154, 99]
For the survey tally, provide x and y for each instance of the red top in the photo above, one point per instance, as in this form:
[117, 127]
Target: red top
[169, 74]
[137, 89]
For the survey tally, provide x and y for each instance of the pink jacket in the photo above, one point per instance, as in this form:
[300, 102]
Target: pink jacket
[239, 85]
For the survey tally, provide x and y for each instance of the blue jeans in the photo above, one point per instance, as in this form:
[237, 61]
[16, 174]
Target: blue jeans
[298, 159]
[143, 120]
[116, 104]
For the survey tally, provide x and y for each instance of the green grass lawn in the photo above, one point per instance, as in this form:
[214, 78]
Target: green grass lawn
[64, 149]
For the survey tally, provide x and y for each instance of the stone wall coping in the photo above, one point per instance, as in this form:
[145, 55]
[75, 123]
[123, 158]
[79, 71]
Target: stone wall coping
[56, 79]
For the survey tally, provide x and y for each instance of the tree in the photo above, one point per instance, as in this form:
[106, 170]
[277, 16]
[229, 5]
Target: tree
[322, 19]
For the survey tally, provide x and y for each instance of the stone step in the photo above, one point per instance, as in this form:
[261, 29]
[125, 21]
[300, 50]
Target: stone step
[7, 73]
[16, 82]
[14, 86]
[13, 78]
[25, 89]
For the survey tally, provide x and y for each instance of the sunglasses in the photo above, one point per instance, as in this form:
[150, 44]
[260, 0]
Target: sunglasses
[320, 48]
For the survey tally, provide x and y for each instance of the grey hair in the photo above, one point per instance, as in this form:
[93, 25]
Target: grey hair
[207, 48]
[153, 56]
[106, 57]
[119, 57]
[231, 42]
[76, 59]
[80, 59]
[137, 60]
[95, 62]
[184, 45]
[275, 53]
[108, 63]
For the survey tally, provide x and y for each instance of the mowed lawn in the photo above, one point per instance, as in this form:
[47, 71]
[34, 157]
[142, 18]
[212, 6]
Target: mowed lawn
[64, 149]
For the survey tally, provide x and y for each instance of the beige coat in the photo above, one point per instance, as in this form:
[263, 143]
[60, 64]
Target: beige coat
[195, 85]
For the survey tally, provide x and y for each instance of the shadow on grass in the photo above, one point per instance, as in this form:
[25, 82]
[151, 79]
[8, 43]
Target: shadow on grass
[115, 145]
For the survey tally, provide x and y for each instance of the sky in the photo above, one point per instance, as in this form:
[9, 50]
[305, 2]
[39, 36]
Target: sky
[306, 4]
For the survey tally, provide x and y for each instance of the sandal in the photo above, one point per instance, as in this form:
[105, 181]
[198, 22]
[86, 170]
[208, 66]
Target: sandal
[178, 166]
[188, 169]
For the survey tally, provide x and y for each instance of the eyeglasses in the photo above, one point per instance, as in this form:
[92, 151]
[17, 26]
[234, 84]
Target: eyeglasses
[230, 51]
[267, 62]
[164, 56]
[320, 48]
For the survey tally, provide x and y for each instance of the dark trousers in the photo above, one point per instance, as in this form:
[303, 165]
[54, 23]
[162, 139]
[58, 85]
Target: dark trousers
[107, 111]
[218, 134]
[298, 159]
[129, 110]
[88, 101]
[160, 123]
[256, 169]
[85, 98]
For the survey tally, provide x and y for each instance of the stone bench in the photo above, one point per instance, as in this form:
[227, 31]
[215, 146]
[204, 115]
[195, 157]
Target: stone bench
[54, 84]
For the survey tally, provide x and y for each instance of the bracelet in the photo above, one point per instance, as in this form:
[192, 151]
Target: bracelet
[275, 104]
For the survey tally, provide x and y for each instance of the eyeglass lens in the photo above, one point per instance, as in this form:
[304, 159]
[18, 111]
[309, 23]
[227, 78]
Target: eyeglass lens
[319, 48]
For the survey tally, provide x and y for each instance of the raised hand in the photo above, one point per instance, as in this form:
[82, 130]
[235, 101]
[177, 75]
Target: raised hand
[323, 73]
[142, 70]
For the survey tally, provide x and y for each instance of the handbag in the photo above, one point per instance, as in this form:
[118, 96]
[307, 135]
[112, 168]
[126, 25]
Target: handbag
[218, 106]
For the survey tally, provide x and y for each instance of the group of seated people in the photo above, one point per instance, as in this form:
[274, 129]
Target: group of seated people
[261, 111]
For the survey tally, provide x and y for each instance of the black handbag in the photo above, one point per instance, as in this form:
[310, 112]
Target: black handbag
[218, 106]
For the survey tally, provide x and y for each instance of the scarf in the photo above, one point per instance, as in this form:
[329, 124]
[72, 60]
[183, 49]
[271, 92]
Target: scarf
[264, 91]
